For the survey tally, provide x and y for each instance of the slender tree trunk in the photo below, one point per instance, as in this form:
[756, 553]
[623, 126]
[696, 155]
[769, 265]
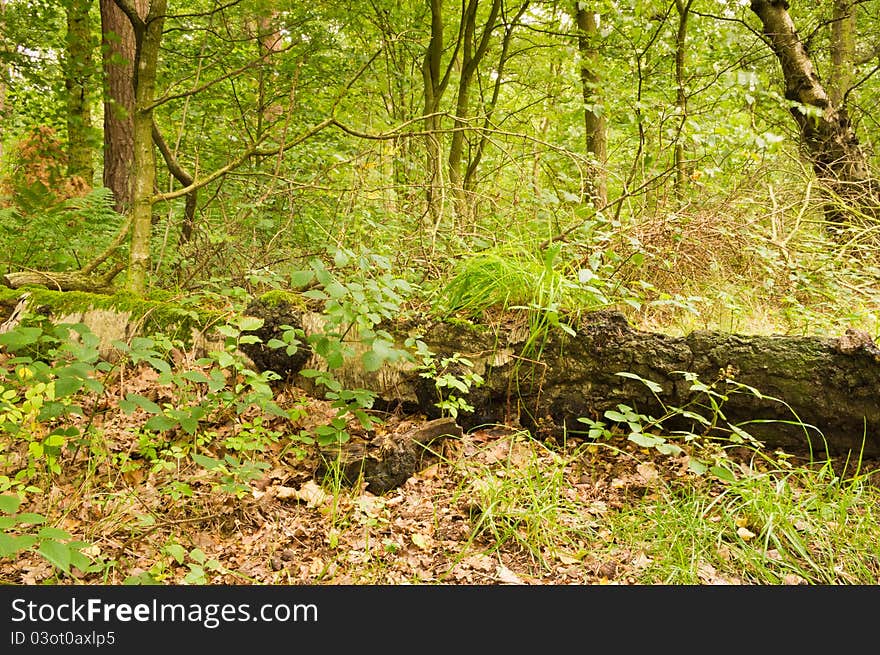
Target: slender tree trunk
[595, 190]
[148, 37]
[77, 80]
[3, 106]
[118, 53]
[843, 51]
[681, 176]
[434, 86]
[469, 182]
[826, 134]
[473, 50]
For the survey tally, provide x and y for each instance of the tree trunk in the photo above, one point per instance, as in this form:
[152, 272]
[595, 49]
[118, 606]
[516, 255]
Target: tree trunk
[826, 134]
[473, 50]
[595, 190]
[785, 391]
[77, 80]
[681, 176]
[433, 88]
[148, 37]
[3, 77]
[118, 53]
[843, 51]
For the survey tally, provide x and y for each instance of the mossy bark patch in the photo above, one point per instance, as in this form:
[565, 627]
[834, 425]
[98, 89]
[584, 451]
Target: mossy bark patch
[113, 317]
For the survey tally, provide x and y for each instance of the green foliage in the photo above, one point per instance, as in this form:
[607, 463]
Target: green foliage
[39, 389]
[453, 380]
[63, 235]
[703, 411]
[357, 296]
[21, 532]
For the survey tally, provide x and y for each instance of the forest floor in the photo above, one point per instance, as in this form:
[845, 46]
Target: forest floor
[492, 507]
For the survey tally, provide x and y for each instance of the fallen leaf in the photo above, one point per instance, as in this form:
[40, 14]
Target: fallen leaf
[507, 576]
[421, 540]
[745, 534]
[641, 560]
[648, 472]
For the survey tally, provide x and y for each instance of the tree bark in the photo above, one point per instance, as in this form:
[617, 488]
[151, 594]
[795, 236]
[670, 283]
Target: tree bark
[473, 50]
[63, 281]
[434, 86]
[594, 116]
[843, 51]
[794, 392]
[118, 52]
[826, 134]
[77, 76]
[681, 177]
[148, 37]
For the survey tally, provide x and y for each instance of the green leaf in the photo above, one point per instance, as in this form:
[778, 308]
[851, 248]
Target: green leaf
[56, 553]
[372, 361]
[20, 337]
[653, 386]
[67, 386]
[299, 279]
[696, 466]
[645, 440]
[10, 544]
[176, 551]
[160, 423]
[9, 503]
[195, 376]
[249, 323]
[53, 533]
[723, 474]
[207, 462]
[143, 578]
[611, 415]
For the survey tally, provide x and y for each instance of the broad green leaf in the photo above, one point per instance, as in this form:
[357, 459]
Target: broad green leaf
[56, 553]
[207, 462]
[53, 533]
[723, 474]
[195, 376]
[176, 551]
[9, 503]
[144, 403]
[10, 544]
[372, 361]
[696, 466]
[645, 440]
[67, 386]
[299, 279]
[250, 323]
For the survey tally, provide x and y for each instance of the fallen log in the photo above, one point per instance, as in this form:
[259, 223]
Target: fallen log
[792, 392]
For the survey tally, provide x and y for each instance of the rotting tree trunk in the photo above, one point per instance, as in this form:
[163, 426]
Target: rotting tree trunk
[816, 392]
[826, 134]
